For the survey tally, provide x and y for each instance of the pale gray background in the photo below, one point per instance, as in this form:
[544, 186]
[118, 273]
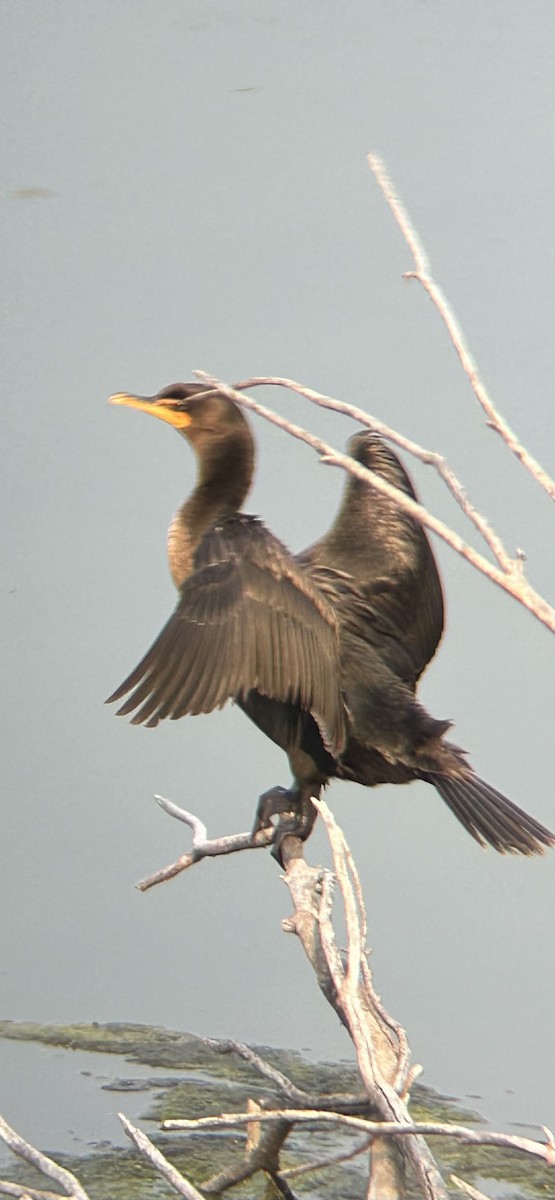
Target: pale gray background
[205, 202]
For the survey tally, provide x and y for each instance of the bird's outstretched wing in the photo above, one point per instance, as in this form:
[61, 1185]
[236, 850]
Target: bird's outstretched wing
[247, 619]
[402, 586]
[378, 565]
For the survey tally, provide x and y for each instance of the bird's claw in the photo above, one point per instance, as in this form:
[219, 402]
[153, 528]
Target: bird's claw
[296, 816]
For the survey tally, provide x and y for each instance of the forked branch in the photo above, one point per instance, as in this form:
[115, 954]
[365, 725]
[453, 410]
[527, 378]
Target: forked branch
[380, 1113]
[510, 576]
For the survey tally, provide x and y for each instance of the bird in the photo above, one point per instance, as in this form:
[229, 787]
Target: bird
[322, 650]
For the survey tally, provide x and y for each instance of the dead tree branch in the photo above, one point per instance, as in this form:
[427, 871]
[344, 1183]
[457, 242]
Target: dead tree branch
[377, 1048]
[373, 1129]
[354, 1003]
[512, 579]
[467, 1189]
[255, 1117]
[380, 1042]
[423, 274]
[66, 1181]
[203, 847]
[428, 457]
[380, 1113]
[320, 1164]
[356, 1101]
[159, 1161]
[262, 1153]
[21, 1192]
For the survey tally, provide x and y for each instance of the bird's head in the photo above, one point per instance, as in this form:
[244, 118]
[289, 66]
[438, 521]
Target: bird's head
[203, 415]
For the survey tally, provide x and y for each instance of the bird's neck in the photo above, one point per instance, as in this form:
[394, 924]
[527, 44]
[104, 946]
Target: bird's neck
[223, 483]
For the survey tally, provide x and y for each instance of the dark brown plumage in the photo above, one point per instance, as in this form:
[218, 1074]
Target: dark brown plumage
[322, 650]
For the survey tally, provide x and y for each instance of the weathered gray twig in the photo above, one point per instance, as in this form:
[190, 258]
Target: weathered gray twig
[203, 847]
[68, 1183]
[342, 988]
[7, 1188]
[423, 274]
[262, 1153]
[159, 1161]
[319, 1164]
[468, 1189]
[428, 457]
[356, 1101]
[511, 580]
[373, 1129]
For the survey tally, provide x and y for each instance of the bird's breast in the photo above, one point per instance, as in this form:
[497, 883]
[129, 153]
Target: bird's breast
[180, 551]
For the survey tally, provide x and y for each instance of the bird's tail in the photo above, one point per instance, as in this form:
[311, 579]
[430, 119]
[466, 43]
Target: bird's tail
[489, 816]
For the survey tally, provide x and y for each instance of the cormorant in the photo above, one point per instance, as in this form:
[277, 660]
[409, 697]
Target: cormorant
[322, 650]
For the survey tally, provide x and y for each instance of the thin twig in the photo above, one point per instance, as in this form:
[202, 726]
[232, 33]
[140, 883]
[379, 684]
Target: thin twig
[468, 1189]
[428, 457]
[319, 1164]
[550, 1136]
[199, 830]
[65, 1179]
[511, 581]
[340, 1101]
[262, 1153]
[423, 274]
[209, 848]
[282, 1082]
[7, 1188]
[372, 1129]
[159, 1161]
[281, 1185]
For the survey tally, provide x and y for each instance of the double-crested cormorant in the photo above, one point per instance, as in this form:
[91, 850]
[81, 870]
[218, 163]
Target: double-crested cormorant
[322, 650]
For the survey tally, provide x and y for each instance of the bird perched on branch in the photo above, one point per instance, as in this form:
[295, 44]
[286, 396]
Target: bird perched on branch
[323, 650]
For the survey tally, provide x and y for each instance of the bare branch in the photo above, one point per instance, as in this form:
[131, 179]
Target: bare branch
[467, 1189]
[373, 1129]
[342, 989]
[319, 1164]
[7, 1188]
[338, 1101]
[199, 830]
[377, 1052]
[428, 457]
[285, 1085]
[68, 1183]
[404, 1075]
[159, 1161]
[311, 892]
[203, 847]
[550, 1138]
[423, 274]
[282, 1082]
[511, 580]
[263, 1149]
[343, 853]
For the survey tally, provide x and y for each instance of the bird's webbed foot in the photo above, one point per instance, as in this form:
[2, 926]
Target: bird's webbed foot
[295, 810]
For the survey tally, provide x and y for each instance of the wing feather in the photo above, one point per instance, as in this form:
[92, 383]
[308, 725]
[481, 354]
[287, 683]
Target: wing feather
[248, 619]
